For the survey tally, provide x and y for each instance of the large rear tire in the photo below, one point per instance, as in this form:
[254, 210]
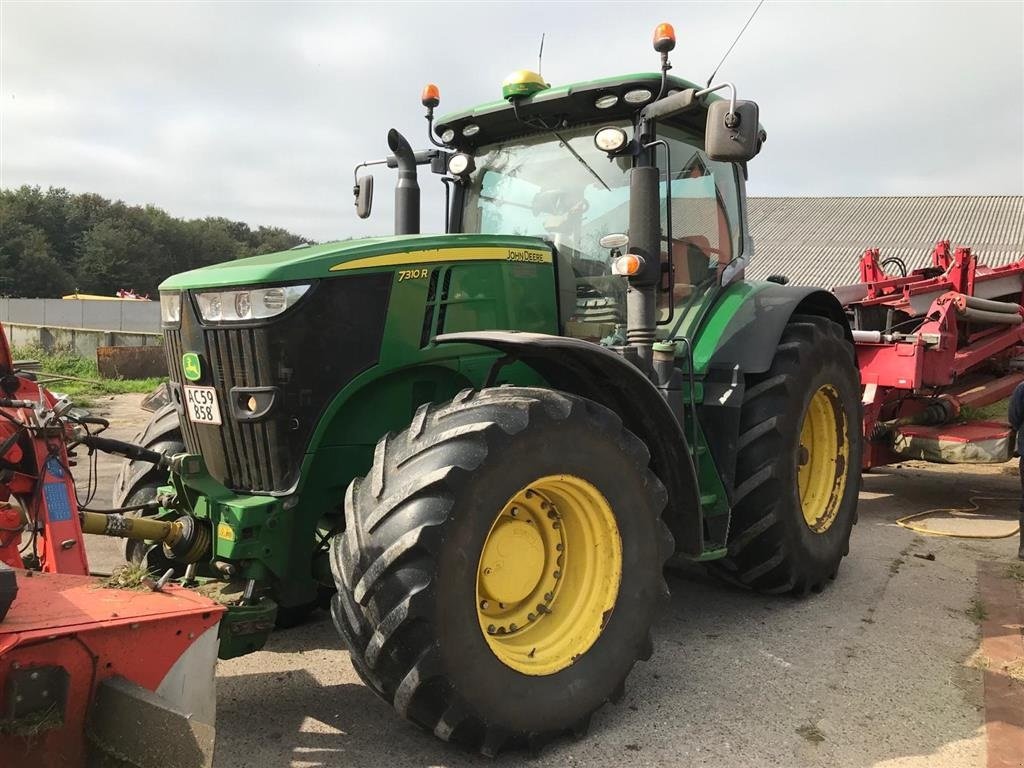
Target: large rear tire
[798, 464]
[502, 565]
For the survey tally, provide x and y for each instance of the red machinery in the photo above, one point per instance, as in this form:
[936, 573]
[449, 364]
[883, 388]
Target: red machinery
[86, 670]
[932, 344]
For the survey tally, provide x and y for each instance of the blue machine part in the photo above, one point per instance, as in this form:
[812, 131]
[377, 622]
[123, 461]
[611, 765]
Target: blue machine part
[58, 503]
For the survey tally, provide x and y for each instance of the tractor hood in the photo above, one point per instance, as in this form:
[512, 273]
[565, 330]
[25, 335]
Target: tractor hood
[366, 255]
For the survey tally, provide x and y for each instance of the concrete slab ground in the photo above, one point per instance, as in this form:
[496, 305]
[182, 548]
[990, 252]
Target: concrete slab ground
[885, 668]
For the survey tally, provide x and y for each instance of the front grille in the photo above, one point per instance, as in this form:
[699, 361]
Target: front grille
[305, 357]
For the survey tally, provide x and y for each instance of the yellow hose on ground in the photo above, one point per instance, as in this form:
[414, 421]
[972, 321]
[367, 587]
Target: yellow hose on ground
[904, 522]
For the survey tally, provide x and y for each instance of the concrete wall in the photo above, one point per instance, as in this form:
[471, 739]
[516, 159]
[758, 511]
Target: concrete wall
[84, 342]
[133, 316]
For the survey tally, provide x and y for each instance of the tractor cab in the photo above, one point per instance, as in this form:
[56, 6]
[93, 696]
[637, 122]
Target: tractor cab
[563, 188]
[559, 164]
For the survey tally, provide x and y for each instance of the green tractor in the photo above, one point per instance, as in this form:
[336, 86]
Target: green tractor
[481, 447]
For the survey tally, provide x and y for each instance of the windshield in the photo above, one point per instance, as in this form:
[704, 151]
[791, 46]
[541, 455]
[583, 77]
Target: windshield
[574, 195]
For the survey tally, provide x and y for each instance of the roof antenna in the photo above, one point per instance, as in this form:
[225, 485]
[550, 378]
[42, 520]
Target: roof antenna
[540, 56]
[744, 29]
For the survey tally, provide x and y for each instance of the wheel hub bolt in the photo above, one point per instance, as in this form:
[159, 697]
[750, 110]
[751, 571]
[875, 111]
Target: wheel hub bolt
[491, 629]
[484, 605]
[549, 596]
[513, 627]
[514, 512]
[803, 456]
[557, 574]
[541, 608]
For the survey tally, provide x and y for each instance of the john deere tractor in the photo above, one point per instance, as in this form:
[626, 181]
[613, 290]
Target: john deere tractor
[480, 447]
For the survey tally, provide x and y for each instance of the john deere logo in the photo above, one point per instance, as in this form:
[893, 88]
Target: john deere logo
[190, 365]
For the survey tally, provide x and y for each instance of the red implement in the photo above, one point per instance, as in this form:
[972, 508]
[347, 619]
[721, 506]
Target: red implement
[132, 669]
[84, 670]
[929, 344]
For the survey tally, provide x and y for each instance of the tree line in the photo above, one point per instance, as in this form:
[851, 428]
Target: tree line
[53, 243]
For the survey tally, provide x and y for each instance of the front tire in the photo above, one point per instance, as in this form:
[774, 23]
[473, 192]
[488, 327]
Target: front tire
[501, 566]
[138, 482]
[797, 465]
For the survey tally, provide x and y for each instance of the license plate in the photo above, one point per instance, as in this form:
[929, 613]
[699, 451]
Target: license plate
[201, 404]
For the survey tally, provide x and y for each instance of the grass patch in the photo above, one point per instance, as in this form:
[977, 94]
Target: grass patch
[976, 611]
[991, 412]
[91, 386]
[128, 576]
[1015, 571]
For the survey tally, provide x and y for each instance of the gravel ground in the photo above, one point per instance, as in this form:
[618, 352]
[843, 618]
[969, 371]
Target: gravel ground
[881, 669]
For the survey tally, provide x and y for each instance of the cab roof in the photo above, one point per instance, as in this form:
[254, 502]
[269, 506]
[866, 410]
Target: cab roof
[571, 104]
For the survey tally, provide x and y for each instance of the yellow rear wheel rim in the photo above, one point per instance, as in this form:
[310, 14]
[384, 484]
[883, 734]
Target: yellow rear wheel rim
[549, 574]
[822, 459]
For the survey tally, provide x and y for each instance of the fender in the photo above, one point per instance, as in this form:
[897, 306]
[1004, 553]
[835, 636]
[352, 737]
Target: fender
[749, 334]
[162, 427]
[591, 371]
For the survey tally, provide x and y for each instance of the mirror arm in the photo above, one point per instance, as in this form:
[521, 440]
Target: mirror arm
[720, 86]
[364, 164]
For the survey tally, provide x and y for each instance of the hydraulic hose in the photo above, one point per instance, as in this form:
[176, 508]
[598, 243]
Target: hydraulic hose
[126, 450]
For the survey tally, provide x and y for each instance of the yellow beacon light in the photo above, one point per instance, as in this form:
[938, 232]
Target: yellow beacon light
[522, 83]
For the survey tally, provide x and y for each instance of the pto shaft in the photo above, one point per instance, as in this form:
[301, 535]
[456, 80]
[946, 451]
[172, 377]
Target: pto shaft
[185, 539]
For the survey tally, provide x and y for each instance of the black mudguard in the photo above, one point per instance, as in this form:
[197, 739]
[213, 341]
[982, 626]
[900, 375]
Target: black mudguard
[596, 373]
[163, 427]
[752, 336]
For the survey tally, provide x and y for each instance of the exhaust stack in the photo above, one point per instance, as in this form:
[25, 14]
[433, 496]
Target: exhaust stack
[407, 189]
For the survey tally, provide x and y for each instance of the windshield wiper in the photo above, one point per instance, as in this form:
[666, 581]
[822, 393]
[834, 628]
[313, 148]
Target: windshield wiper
[583, 162]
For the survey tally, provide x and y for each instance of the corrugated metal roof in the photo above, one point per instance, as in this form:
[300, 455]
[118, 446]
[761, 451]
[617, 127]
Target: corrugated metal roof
[819, 240]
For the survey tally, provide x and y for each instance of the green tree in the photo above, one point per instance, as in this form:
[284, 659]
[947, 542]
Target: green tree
[53, 241]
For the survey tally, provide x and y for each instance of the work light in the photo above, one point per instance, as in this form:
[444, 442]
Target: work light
[170, 308]
[249, 304]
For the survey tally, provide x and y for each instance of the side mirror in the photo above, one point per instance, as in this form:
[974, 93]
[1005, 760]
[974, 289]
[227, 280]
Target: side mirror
[732, 138]
[363, 190]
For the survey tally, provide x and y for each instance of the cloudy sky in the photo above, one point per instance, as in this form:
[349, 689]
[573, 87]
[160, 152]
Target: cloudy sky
[258, 111]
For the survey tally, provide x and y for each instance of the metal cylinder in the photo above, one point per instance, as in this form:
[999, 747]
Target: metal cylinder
[407, 188]
[869, 336]
[645, 242]
[139, 528]
[185, 539]
[994, 318]
[1006, 307]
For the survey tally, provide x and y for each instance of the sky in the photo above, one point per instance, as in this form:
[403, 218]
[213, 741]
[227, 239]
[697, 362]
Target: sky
[259, 111]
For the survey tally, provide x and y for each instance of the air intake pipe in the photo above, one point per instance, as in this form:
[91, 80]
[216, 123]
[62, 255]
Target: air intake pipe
[407, 189]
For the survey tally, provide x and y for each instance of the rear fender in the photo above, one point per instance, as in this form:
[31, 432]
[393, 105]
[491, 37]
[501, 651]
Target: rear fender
[749, 335]
[596, 373]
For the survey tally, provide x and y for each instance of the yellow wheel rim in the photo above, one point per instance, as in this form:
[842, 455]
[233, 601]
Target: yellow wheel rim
[822, 458]
[549, 574]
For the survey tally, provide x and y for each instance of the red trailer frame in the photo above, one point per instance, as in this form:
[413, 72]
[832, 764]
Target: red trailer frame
[931, 343]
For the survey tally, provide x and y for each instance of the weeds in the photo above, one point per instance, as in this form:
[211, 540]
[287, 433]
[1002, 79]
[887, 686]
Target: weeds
[976, 611]
[1015, 571]
[128, 576]
[66, 363]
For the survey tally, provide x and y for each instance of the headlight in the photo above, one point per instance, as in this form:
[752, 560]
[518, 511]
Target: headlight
[170, 308]
[251, 304]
